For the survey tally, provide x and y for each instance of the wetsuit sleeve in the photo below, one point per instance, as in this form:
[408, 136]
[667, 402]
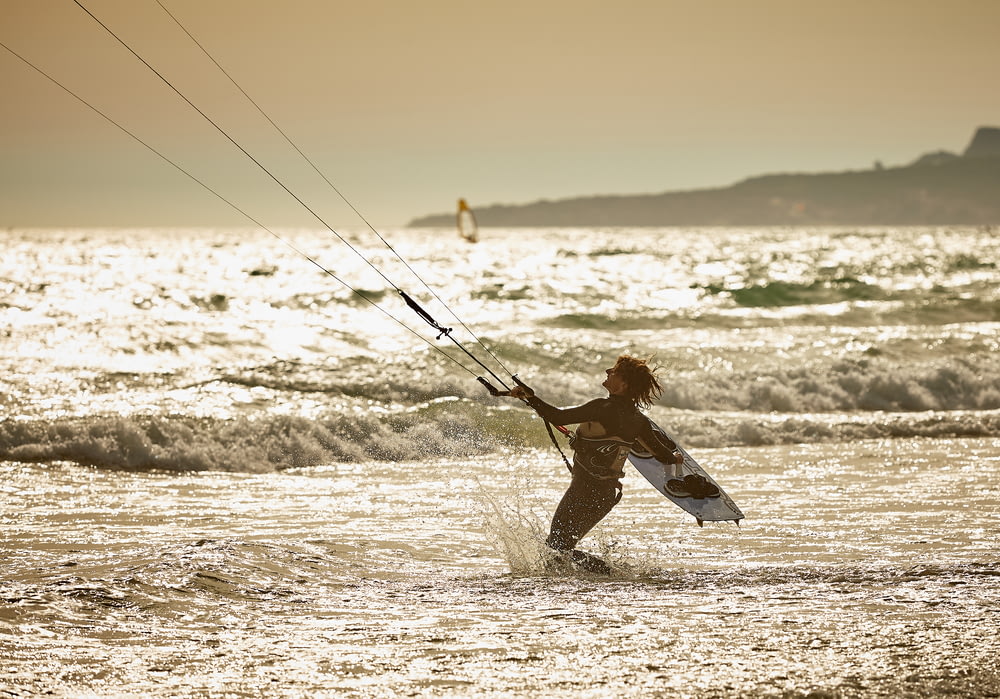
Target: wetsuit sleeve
[592, 411]
[660, 445]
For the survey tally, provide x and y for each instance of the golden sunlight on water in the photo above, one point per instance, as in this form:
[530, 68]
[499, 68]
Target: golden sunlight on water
[867, 569]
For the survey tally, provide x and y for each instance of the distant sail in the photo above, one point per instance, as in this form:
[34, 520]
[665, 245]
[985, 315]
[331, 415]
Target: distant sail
[467, 227]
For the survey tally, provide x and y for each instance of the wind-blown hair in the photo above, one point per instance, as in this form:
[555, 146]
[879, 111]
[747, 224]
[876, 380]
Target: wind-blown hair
[640, 377]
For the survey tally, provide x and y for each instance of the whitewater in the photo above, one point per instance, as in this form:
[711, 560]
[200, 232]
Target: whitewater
[226, 474]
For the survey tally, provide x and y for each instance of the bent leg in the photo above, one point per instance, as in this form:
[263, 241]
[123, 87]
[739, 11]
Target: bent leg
[584, 504]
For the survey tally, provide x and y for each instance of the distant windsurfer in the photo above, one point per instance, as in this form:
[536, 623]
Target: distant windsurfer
[608, 429]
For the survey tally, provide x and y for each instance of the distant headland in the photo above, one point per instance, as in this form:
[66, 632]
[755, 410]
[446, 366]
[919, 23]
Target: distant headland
[938, 188]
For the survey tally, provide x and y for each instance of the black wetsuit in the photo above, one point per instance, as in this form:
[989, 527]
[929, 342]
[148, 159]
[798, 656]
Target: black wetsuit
[598, 462]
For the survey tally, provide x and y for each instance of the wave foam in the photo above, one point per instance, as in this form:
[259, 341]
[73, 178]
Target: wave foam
[439, 429]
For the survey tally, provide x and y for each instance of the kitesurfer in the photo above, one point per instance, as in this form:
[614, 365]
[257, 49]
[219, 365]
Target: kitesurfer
[608, 430]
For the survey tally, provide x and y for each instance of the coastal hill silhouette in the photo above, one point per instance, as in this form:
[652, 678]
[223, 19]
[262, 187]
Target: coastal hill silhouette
[938, 188]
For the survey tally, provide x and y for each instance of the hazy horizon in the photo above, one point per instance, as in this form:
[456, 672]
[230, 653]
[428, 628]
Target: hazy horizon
[408, 107]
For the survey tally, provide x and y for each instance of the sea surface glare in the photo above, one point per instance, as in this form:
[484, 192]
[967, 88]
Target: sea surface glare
[226, 474]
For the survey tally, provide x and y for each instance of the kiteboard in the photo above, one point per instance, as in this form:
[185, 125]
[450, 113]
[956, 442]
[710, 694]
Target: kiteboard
[706, 509]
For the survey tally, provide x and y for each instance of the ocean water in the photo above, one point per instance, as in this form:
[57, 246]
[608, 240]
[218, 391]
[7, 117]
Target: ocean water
[224, 473]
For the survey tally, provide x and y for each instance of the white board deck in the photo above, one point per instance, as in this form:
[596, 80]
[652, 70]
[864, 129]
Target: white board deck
[720, 509]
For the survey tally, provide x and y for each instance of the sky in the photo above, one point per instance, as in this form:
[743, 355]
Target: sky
[406, 106]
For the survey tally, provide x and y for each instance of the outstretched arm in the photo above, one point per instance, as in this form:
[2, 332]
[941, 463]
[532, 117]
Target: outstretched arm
[566, 416]
[558, 416]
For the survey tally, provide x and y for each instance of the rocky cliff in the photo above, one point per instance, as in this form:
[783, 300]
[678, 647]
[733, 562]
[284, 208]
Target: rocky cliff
[985, 144]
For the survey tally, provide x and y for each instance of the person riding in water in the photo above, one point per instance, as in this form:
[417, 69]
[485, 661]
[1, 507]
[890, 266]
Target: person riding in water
[608, 429]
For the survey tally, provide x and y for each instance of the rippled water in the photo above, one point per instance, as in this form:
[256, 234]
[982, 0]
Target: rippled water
[221, 475]
[872, 571]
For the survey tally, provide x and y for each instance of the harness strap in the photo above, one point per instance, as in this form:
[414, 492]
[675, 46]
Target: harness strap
[552, 436]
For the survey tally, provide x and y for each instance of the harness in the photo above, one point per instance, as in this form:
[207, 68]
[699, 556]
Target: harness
[602, 458]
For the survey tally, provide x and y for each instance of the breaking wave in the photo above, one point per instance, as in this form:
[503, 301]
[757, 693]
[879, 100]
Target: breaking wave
[439, 429]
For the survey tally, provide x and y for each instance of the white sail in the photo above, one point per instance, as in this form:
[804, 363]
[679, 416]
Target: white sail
[466, 221]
